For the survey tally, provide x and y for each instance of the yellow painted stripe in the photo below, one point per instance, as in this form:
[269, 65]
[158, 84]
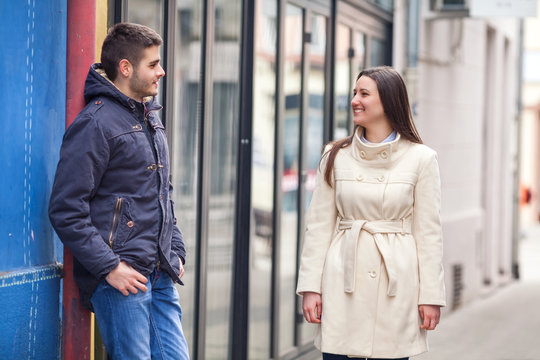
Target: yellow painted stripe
[92, 337]
[101, 32]
[101, 25]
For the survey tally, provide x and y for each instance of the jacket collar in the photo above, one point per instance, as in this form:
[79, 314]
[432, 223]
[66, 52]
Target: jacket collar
[377, 153]
[98, 84]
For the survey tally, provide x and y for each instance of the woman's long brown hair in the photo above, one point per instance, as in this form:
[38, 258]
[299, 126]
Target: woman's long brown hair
[395, 102]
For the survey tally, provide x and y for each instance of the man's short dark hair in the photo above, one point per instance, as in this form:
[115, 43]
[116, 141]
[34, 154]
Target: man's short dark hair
[126, 41]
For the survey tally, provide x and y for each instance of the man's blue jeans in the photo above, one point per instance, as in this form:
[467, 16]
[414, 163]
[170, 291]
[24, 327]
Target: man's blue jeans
[145, 325]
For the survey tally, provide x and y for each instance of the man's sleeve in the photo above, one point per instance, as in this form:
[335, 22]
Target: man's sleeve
[177, 238]
[83, 160]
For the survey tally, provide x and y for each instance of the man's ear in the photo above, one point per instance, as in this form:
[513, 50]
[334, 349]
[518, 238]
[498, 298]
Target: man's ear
[125, 68]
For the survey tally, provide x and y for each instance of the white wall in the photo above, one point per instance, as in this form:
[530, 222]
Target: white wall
[530, 122]
[466, 103]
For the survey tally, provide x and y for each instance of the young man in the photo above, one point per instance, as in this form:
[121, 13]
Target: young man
[111, 202]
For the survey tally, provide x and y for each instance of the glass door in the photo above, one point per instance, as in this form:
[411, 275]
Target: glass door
[290, 181]
[304, 91]
[262, 179]
[360, 43]
[313, 133]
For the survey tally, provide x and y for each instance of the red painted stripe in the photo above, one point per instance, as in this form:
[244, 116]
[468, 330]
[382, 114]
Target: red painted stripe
[81, 38]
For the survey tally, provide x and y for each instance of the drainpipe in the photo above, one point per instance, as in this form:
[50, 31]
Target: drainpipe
[81, 39]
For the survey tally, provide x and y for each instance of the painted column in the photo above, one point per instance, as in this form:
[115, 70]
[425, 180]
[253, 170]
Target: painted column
[81, 38]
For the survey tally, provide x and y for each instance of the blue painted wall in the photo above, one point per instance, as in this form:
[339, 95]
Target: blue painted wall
[32, 78]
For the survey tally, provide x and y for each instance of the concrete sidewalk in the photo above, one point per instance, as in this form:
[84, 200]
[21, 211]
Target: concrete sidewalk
[502, 326]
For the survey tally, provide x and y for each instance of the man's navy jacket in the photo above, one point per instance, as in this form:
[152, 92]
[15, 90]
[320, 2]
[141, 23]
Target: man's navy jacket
[111, 198]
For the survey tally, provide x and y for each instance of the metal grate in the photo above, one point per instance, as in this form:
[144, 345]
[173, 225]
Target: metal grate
[457, 281]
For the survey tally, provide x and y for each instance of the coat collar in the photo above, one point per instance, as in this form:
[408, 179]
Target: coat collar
[377, 153]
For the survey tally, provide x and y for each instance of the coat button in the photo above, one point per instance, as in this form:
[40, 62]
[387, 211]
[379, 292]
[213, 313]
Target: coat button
[383, 154]
[160, 197]
[373, 274]
[130, 224]
[363, 154]
[98, 102]
[381, 178]
[359, 178]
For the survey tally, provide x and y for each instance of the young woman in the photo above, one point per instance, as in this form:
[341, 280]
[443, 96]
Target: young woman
[371, 267]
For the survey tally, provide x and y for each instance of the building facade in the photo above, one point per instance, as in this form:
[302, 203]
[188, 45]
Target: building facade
[252, 92]
[530, 127]
[466, 81]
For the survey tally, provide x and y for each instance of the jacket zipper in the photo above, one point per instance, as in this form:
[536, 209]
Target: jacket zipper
[114, 225]
[151, 140]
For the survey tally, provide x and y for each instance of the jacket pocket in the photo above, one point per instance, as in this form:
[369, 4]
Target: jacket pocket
[122, 225]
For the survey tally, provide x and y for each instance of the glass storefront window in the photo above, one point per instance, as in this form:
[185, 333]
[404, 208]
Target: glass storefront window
[315, 121]
[262, 180]
[350, 60]
[342, 86]
[186, 128]
[294, 21]
[316, 102]
[223, 160]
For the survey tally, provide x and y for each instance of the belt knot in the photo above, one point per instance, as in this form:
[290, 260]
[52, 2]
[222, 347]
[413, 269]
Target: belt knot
[376, 228]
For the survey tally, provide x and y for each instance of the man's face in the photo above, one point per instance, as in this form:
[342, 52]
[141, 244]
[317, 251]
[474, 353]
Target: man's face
[145, 78]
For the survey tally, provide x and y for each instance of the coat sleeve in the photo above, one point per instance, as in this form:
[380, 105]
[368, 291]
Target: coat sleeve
[428, 233]
[320, 226]
[84, 157]
[177, 238]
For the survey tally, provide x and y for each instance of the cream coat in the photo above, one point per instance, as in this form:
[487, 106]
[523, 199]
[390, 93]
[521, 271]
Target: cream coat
[359, 251]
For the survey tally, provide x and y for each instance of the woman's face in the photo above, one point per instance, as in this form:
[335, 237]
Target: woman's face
[366, 104]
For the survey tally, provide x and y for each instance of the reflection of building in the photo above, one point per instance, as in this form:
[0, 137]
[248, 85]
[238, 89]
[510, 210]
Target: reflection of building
[253, 91]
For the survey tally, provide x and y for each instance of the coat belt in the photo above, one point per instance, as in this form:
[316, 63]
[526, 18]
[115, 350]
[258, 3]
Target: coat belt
[377, 228]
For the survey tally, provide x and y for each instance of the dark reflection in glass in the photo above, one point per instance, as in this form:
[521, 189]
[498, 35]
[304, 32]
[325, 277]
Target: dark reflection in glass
[342, 86]
[223, 159]
[146, 12]
[185, 156]
[262, 181]
[359, 56]
[377, 52]
[387, 5]
[316, 97]
[289, 187]
[350, 55]
[315, 121]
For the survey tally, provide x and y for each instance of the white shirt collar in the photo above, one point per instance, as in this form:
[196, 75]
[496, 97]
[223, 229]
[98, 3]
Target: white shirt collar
[390, 137]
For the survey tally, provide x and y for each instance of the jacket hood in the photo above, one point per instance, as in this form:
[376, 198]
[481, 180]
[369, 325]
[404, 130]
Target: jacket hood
[98, 84]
